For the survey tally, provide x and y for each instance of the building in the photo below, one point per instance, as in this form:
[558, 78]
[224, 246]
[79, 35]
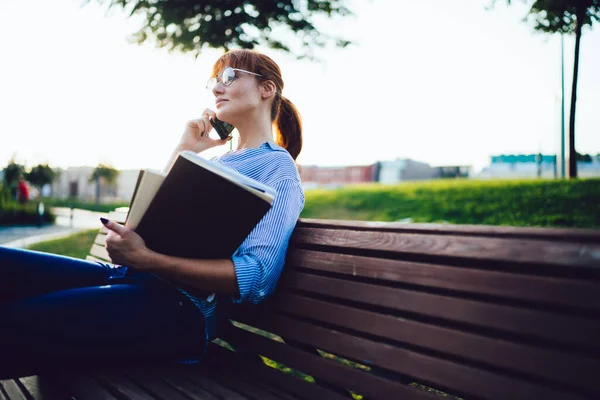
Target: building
[400, 170]
[74, 182]
[523, 166]
[315, 176]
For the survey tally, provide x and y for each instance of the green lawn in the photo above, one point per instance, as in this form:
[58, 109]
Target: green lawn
[77, 245]
[560, 203]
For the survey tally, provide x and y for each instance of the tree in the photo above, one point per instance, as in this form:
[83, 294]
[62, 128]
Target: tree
[41, 175]
[106, 174]
[191, 25]
[12, 173]
[566, 17]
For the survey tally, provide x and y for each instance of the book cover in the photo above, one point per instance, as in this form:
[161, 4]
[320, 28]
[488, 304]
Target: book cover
[200, 209]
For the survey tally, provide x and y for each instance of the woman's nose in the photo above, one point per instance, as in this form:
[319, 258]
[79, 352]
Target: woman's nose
[218, 89]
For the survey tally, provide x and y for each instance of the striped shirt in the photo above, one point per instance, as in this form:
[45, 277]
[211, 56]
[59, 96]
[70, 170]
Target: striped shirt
[259, 260]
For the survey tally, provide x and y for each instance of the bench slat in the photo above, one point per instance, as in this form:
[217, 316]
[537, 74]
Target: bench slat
[510, 319]
[512, 252]
[156, 387]
[121, 386]
[12, 390]
[455, 378]
[545, 233]
[355, 348]
[197, 377]
[186, 386]
[42, 388]
[229, 361]
[100, 239]
[99, 252]
[82, 386]
[452, 343]
[556, 291]
[117, 216]
[242, 385]
[368, 385]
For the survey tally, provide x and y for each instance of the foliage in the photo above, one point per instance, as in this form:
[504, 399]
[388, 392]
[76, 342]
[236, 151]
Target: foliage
[83, 205]
[563, 16]
[191, 25]
[77, 245]
[106, 173]
[41, 175]
[12, 173]
[566, 17]
[560, 203]
[13, 213]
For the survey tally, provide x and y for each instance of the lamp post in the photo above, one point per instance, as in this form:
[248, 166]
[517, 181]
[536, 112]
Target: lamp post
[562, 107]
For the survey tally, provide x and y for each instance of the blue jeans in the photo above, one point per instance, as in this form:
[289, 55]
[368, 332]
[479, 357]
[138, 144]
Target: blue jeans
[59, 312]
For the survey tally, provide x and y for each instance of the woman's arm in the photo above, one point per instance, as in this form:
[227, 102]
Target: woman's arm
[125, 247]
[195, 137]
[208, 275]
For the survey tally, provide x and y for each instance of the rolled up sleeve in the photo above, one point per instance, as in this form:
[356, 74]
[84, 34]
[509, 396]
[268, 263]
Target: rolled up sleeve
[258, 262]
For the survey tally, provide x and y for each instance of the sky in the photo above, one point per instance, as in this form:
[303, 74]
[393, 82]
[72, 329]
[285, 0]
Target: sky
[447, 83]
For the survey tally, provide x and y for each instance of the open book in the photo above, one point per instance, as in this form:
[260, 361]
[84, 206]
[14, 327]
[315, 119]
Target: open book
[199, 209]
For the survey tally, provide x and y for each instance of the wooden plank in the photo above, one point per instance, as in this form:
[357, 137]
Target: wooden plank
[512, 320]
[3, 395]
[154, 386]
[448, 376]
[120, 386]
[13, 390]
[83, 386]
[216, 389]
[100, 239]
[43, 388]
[186, 386]
[303, 389]
[513, 252]
[343, 376]
[99, 252]
[570, 369]
[544, 233]
[94, 259]
[540, 289]
[241, 385]
[117, 216]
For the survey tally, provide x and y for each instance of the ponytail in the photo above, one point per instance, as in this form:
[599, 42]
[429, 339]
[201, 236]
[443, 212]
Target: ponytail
[288, 124]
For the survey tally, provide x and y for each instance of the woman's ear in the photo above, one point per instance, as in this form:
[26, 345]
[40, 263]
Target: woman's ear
[267, 89]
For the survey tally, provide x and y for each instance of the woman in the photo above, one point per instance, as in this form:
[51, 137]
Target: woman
[63, 311]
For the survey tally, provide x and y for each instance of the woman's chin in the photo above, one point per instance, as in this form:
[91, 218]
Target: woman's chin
[224, 116]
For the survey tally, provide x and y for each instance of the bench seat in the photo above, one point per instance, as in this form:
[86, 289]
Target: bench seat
[369, 310]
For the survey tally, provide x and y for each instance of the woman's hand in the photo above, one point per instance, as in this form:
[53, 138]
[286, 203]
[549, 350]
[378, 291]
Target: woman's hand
[124, 246]
[195, 136]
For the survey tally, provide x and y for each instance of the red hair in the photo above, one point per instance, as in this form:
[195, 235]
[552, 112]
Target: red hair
[285, 116]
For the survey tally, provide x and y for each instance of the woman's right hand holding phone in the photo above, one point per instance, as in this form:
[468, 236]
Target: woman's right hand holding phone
[196, 134]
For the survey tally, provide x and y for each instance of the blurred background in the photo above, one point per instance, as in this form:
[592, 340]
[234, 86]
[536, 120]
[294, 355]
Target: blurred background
[467, 112]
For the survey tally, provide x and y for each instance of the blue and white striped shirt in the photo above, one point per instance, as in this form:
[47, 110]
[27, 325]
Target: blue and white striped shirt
[259, 260]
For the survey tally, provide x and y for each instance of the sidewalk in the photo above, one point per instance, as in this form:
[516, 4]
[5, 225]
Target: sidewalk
[22, 236]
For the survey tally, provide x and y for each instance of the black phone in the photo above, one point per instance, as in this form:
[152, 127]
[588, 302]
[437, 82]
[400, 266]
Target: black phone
[223, 128]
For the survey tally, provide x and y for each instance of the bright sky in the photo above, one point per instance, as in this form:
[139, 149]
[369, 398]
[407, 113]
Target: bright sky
[438, 81]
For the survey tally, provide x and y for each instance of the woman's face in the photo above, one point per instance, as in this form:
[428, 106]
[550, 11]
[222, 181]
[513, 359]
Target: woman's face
[239, 100]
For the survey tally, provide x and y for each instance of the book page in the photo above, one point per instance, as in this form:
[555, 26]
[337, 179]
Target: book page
[149, 184]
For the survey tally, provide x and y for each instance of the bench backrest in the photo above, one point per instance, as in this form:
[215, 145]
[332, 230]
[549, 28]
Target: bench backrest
[387, 310]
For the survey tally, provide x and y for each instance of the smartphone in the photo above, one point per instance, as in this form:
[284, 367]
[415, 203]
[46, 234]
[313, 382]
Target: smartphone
[223, 128]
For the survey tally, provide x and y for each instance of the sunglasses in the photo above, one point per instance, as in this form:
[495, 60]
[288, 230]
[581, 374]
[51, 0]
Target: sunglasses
[226, 78]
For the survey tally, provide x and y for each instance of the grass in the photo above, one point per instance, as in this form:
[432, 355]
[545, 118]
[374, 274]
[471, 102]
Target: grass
[77, 245]
[559, 203]
[84, 205]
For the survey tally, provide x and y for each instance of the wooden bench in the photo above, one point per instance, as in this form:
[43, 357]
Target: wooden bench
[392, 311]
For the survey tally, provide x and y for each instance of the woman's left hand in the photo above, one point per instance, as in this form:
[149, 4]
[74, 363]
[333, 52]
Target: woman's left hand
[124, 246]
